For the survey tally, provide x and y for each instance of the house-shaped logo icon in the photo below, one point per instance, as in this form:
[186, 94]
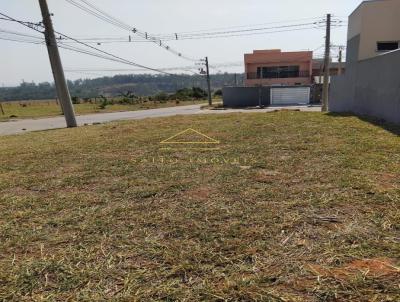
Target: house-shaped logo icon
[190, 139]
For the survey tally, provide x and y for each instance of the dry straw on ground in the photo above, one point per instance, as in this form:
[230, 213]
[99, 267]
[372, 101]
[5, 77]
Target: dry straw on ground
[88, 214]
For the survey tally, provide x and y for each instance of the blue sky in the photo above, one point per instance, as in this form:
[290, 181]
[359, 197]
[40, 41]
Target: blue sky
[20, 61]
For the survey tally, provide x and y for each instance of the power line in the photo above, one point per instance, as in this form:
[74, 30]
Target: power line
[218, 33]
[214, 35]
[33, 26]
[98, 13]
[127, 70]
[116, 40]
[227, 30]
[113, 58]
[120, 59]
[20, 40]
[240, 26]
[250, 34]
[123, 24]
[110, 54]
[19, 34]
[185, 68]
[142, 34]
[99, 42]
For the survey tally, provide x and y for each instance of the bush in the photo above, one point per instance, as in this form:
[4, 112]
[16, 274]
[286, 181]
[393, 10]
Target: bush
[218, 92]
[103, 103]
[128, 98]
[162, 97]
[75, 100]
[187, 94]
[198, 93]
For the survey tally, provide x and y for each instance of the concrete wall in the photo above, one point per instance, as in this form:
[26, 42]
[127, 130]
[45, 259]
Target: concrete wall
[353, 46]
[369, 87]
[375, 21]
[380, 23]
[355, 23]
[246, 96]
[249, 96]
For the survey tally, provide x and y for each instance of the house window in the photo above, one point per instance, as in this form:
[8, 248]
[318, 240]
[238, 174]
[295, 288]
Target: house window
[258, 72]
[387, 46]
[278, 72]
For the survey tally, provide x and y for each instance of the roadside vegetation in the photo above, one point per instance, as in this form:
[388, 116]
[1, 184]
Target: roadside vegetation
[294, 206]
[124, 102]
[142, 84]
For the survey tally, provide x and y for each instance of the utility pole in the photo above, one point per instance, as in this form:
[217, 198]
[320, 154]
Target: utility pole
[236, 79]
[325, 92]
[1, 108]
[57, 68]
[208, 83]
[340, 60]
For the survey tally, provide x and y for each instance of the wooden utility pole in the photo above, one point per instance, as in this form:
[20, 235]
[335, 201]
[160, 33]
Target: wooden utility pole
[340, 60]
[325, 92]
[208, 83]
[57, 68]
[1, 108]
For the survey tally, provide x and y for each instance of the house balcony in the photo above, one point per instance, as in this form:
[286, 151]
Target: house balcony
[289, 78]
[283, 75]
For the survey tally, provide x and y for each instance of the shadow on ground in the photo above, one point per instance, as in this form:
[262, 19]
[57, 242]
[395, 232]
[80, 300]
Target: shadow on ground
[393, 128]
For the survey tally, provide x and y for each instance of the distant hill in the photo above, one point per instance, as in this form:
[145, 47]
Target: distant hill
[141, 85]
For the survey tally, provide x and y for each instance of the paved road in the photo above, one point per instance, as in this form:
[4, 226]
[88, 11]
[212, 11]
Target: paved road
[21, 126]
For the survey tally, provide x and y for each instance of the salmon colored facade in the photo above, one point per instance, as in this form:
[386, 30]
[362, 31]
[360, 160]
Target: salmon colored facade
[274, 67]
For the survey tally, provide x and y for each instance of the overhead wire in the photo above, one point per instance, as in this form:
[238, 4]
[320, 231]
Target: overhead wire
[64, 40]
[115, 57]
[218, 33]
[110, 40]
[19, 34]
[218, 65]
[95, 11]
[248, 32]
[240, 26]
[20, 40]
[110, 54]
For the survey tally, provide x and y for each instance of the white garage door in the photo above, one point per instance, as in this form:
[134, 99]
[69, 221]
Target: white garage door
[287, 96]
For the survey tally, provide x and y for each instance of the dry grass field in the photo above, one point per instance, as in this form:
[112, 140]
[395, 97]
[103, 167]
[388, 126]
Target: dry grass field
[292, 206]
[41, 109]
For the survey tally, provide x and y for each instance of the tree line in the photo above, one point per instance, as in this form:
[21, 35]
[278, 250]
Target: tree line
[140, 85]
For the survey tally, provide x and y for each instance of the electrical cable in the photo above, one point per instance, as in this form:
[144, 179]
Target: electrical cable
[95, 11]
[121, 60]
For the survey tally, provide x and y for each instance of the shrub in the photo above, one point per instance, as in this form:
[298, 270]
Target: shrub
[103, 103]
[162, 97]
[187, 94]
[75, 100]
[198, 93]
[218, 92]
